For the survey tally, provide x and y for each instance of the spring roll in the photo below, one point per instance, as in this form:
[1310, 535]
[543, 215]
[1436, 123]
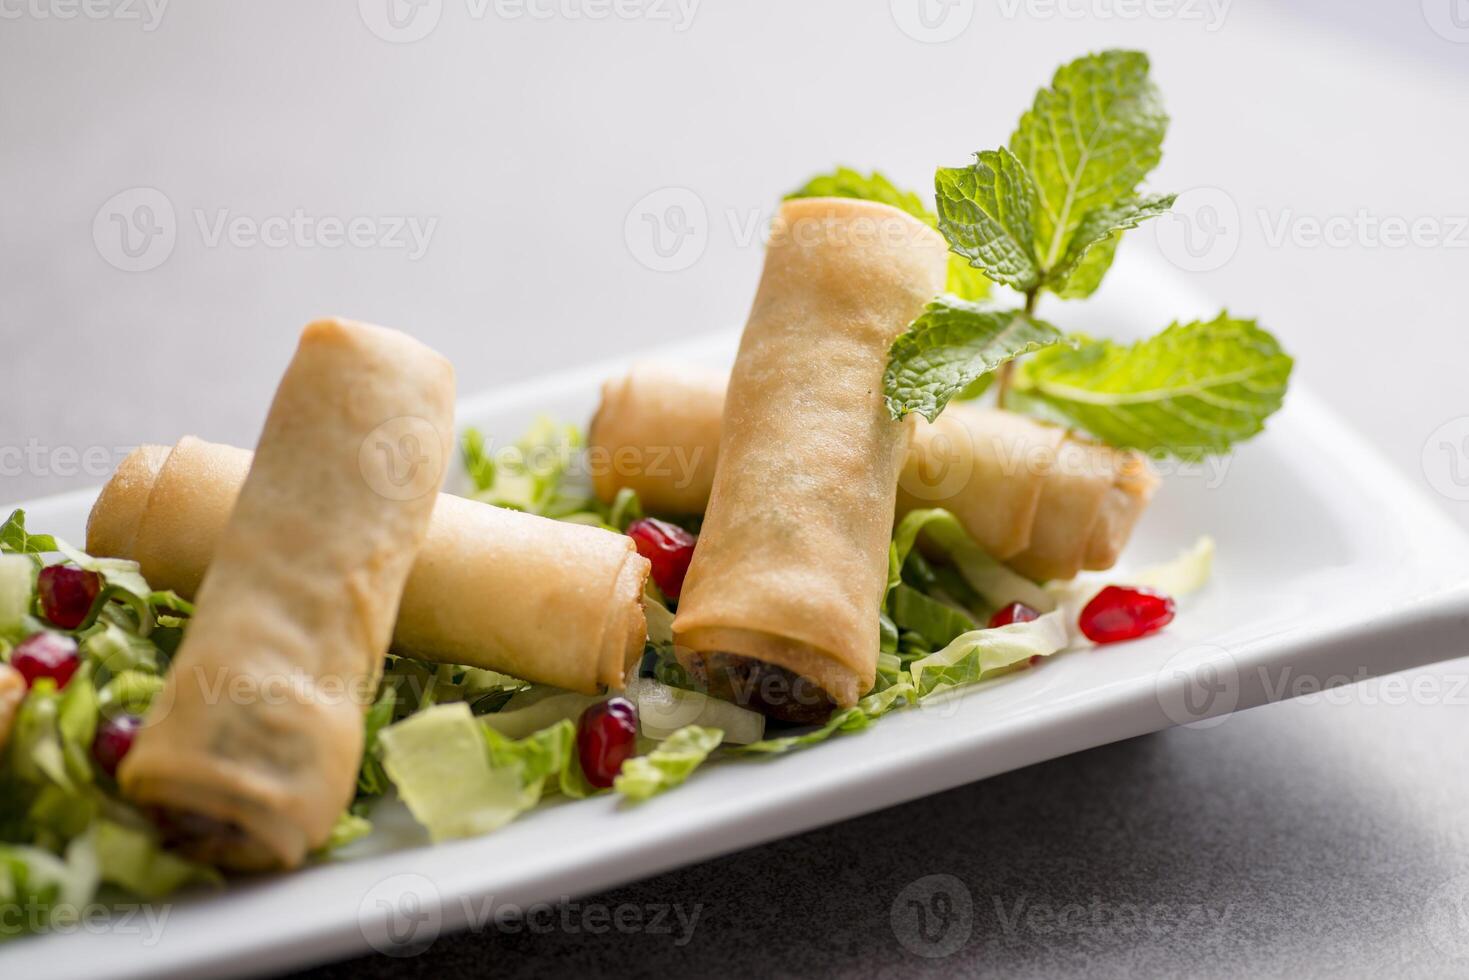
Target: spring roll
[543, 600]
[780, 606]
[656, 431]
[250, 752]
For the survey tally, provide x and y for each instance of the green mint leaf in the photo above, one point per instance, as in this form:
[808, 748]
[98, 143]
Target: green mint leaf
[1101, 226]
[1193, 390]
[1087, 275]
[986, 211]
[964, 280]
[949, 347]
[1088, 141]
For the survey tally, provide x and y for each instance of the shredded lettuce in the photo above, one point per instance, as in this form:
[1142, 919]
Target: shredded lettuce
[533, 474]
[1184, 574]
[853, 719]
[349, 828]
[440, 764]
[934, 620]
[17, 581]
[663, 710]
[460, 777]
[1178, 577]
[132, 858]
[539, 707]
[673, 761]
[980, 653]
[995, 582]
[16, 540]
[43, 888]
[626, 507]
[371, 779]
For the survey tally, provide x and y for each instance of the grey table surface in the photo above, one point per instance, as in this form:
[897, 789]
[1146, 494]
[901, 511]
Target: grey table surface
[504, 162]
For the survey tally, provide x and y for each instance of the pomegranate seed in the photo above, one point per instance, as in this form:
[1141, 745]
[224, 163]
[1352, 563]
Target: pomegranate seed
[606, 737]
[46, 655]
[1123, 613]
[668, 547]
[1015, 612]
[67, 594]
[114, 739]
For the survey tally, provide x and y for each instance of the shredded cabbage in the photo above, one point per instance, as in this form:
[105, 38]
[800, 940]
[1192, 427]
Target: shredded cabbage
[995, 582]
[669, 764]
[664, 710]
[980, 653]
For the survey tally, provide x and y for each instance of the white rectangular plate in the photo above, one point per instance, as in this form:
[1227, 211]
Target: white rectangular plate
[1331, 568]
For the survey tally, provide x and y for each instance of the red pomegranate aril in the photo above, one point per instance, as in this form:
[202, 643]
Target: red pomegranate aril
[1122, 613]
[46, 655]
[1015, 612]
[67, 594]
[113, 740]
[606, 737]
[668, 547]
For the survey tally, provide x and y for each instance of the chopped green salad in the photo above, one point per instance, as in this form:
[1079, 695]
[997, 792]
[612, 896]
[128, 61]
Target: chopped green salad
[465, 749]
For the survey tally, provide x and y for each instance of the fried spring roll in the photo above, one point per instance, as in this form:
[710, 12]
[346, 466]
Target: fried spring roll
[543, 600]
[250, 752]
[780, 606]
[1049, 503]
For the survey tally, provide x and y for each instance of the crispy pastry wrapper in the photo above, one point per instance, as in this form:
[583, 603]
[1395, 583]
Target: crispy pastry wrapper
[791, 564]
[1047, 502]
[251, 751]
[543, 600]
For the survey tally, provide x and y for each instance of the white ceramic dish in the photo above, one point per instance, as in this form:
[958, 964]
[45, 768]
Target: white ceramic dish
[1331, 568]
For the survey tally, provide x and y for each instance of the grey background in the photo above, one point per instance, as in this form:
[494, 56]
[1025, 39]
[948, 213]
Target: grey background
[1326, 836]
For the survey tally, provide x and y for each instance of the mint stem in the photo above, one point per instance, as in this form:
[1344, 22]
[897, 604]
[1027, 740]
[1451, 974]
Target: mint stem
[1002, 386]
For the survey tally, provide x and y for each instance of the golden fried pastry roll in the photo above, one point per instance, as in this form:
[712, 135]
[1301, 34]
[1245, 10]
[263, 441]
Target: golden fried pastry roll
[780, 606]
[657, 431]
[251, 751]
[543, 600]
[1006, 477]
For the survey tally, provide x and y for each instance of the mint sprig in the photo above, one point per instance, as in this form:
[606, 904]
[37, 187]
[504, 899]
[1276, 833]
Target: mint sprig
[1194, 390]
[951, 345]
[1045, 214]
